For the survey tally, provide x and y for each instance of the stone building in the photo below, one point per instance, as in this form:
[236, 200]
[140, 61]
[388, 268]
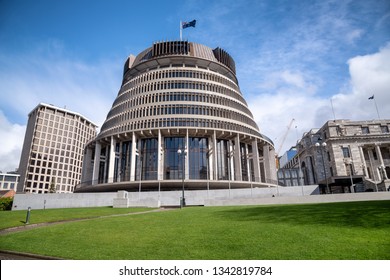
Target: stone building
[344, 153]
[179, 117]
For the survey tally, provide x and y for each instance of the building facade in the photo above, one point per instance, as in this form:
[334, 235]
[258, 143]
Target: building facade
[53, 147]
[9, 181]
[346, 156]
[179, 117]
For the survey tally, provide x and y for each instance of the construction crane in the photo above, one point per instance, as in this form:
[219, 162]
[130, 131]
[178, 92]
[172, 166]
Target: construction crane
[282, 142]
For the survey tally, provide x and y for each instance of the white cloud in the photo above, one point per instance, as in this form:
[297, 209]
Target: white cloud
[12, 140]
[52, 77]
[289, 95]
[354, 35]
[274, 112]
[370, 75]
[294, 79]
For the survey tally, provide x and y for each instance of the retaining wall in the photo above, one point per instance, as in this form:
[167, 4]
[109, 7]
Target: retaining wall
[254, 196]
[151, 199]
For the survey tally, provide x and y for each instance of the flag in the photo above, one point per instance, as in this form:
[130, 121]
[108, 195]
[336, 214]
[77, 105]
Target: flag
[185, 24]
[371, 97]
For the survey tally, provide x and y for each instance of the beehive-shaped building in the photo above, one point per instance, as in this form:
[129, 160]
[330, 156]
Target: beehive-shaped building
[179, 117]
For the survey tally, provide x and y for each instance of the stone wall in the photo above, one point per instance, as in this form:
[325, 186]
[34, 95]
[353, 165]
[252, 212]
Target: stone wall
[151, 199]
[255, 196]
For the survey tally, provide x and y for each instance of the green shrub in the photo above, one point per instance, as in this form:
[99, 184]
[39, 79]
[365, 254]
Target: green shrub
[6, 203]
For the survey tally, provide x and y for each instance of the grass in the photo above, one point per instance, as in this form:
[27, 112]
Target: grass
[354, 230]
[18, 218]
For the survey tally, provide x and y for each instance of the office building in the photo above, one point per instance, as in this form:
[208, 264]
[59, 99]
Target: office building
[9, 181]
[53, 147]
[179, 118]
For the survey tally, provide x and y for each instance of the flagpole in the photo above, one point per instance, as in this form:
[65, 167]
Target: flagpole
[376, 107]
[181, 30]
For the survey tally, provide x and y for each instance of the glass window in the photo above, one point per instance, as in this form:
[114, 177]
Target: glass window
[346, 152]
[365, 130]
[385, 129]
[244, 165]
[125, 161]
[198, 158]
[148, 159]
[173, 162]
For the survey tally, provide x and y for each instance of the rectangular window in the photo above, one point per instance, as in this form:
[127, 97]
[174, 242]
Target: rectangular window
[365, 130]
[385, 129]
[346, 152]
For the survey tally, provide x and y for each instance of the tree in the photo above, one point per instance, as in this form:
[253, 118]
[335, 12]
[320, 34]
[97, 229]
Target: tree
[52, 186]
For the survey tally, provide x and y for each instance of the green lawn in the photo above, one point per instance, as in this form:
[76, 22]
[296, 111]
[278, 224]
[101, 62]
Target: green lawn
[18, 218]
[354, 230]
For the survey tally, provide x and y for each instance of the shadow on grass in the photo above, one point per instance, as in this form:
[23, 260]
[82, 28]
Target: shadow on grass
[367, 214]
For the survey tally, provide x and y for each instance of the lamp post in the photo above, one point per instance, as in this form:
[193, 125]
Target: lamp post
[182, 153]
[322, 146]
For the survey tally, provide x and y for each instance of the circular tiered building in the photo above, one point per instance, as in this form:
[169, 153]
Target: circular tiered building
[179, 119]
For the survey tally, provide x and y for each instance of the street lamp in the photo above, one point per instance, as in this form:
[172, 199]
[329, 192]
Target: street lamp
[182, 153]
[321, 145]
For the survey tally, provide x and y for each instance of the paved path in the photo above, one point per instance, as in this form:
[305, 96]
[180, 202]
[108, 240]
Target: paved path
[10, 255]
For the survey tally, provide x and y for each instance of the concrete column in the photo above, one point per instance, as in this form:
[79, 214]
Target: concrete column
[247, 163]
[256, 160]
[96, 163]
[133, 150]
[87, 170]
[272, 164]
[237, 159]
[120, 175]
[269, 164]
[160, 164]
[212, 157]
[363, 161]
[266, 163]
[382, 171]
[378, 151]
[230, 161]
[375, 176]
[111, 161]
[186, 157]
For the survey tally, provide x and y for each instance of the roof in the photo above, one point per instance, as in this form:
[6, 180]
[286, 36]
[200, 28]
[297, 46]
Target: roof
[7, 193]
[62, 110]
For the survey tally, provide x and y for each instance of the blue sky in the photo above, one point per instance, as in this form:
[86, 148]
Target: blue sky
[292, 57]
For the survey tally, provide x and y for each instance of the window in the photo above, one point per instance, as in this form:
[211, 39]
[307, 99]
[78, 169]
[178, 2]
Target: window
[385, 129]
[365, 130]
[346, 153]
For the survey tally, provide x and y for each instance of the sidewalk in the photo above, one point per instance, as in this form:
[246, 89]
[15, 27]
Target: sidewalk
[8, 255]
